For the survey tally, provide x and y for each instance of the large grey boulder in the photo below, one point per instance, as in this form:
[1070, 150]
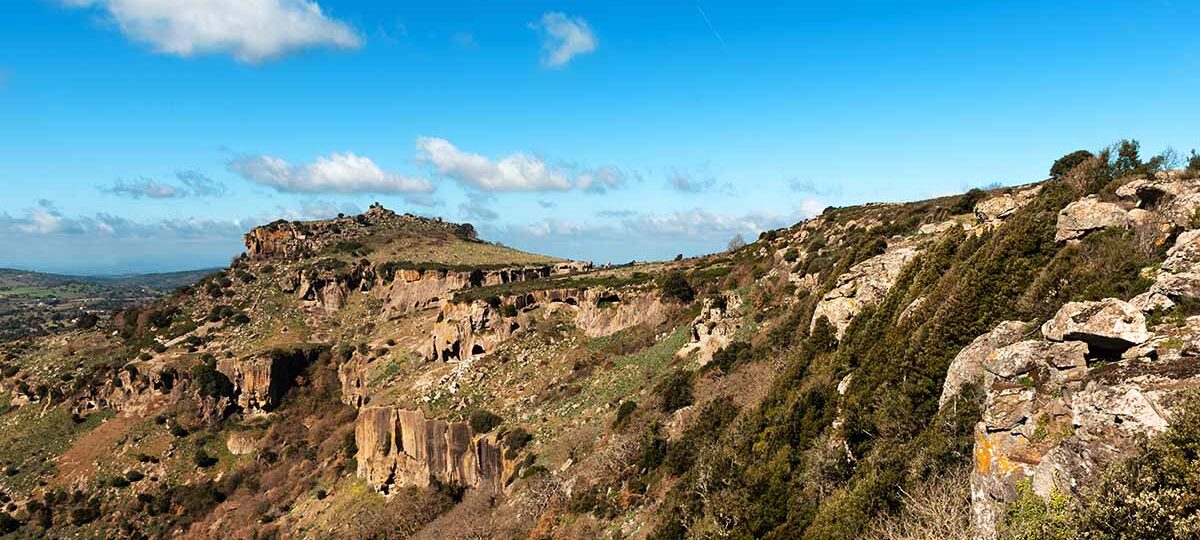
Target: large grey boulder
[865, 284]
[967, 367]
[1107, 326]
[1089, 214]
[1000, 207]
[1168, 194]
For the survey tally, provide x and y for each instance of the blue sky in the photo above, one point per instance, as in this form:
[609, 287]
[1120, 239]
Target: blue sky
[146, 135]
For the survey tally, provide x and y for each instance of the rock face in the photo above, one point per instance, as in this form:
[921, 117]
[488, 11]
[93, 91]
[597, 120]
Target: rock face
[968, 365]
[398, 447]
[241, 443]
[408, 290]
[1179, 275]
[1089, 214]
[1109, 326]
[259, 382]
[1050, 419]
[999, 208]
[714, 328]
[1168, 194]
[865, 284]
[470, 329]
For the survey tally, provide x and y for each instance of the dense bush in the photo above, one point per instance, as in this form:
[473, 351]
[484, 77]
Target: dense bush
[1065, 164]
[735, 354]
[1031, 517]
[210, 382]
[676, 287]
[967, 201]
[1154, 494]
[624, 411]
[483, 421]
[675, 392]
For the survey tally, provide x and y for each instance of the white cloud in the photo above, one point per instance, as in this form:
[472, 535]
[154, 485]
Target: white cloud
[516, 172]
[251, 31]
[191, 184]
[337, 173]
[142, 188]
[563, 38]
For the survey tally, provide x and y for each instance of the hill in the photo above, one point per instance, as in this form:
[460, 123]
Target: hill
[1016, 362]
[34, 303]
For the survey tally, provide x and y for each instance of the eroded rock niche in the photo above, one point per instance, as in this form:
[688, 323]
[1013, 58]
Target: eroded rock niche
[400, 447]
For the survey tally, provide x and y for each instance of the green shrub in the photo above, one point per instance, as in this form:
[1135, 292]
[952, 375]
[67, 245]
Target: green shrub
[1065, 164]
[624, 410]
[8, 524]
[675, 392]
[676, 287]
[735, 354]
[1154, 494]
[483, 421]
[516, 440]
[134, 476]
[203, 460]
[210, 382]
[1032, 518]
[967, 201]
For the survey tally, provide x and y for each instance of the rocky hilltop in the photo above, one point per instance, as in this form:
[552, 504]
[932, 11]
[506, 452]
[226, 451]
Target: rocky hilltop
[1018, 362]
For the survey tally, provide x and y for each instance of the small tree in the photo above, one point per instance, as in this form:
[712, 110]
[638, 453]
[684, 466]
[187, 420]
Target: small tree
[736, 243]
[1129, 160]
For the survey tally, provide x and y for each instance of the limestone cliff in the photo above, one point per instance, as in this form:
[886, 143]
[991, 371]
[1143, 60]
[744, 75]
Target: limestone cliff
[398, 447]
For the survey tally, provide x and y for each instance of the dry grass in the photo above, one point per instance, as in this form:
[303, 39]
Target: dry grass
[939, 509]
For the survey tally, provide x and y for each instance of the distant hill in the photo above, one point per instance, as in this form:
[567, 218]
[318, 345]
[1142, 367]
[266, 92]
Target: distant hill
[36, 303]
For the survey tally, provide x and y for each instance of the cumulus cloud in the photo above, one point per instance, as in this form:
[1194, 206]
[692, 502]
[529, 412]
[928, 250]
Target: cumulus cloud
[336, 173]
[517, 172]
[251, 31]
[563, 38]
[46, 220]
[190, 184]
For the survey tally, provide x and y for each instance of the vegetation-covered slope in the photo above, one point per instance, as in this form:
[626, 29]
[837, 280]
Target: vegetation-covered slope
[877, 371]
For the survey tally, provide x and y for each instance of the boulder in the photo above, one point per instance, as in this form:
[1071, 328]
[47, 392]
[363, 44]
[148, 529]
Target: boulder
[1179, 275]
[1109, 326]
[1089, 214]
[967, 366]
[1000, 207]
[1168, 194]
[865, 284]
[241, 443]
[714, 328]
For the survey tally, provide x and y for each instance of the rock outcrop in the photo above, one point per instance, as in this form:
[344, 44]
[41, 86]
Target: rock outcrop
[1168, 194]
[714, 328]
[1109, 326]
[1089, 214]
[1179, 275]
[968, 366]
[398, 447]
[865, 284]
[260, 381]
[997, 209]
[1051, 418]
[470, 329]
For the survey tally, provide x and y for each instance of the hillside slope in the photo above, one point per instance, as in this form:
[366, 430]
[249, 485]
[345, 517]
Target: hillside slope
[1018, 362]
